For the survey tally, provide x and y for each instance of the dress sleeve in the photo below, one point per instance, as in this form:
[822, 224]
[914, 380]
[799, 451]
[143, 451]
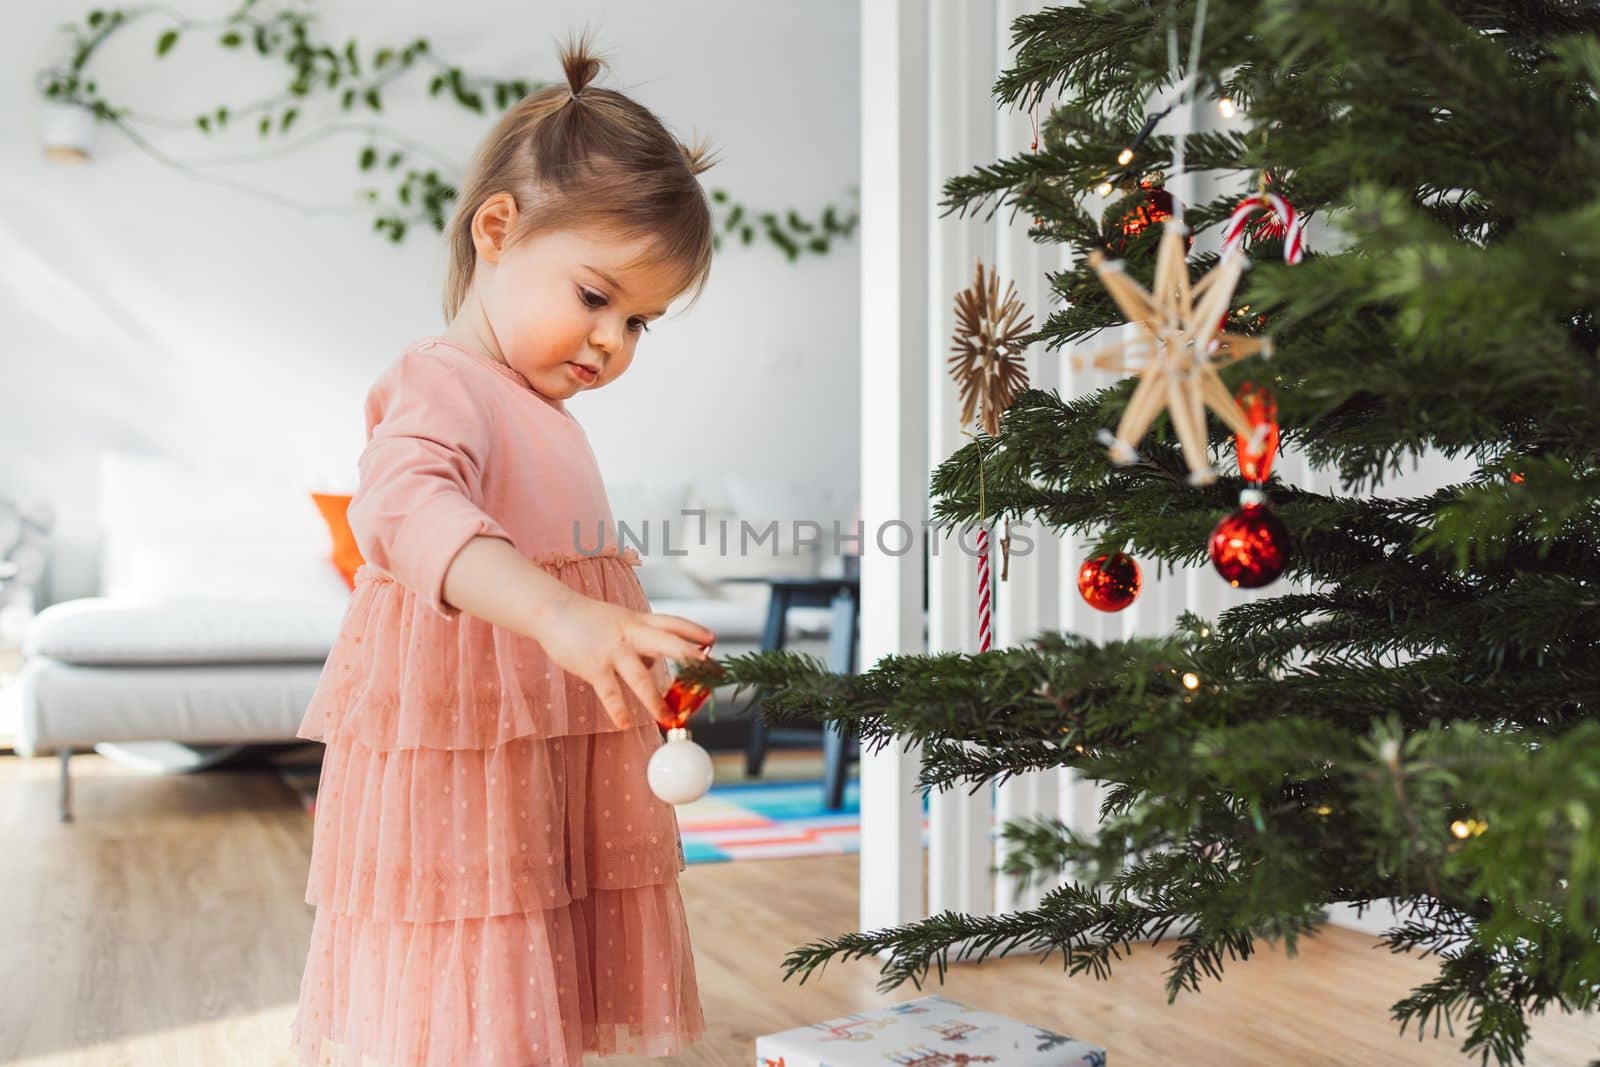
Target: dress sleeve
[420, 498]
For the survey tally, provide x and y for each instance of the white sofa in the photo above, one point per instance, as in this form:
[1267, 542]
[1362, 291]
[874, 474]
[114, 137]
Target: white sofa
[218, 602]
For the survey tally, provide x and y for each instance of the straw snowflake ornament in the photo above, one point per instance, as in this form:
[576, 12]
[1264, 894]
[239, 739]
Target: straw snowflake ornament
[988, 367]
[987, 362]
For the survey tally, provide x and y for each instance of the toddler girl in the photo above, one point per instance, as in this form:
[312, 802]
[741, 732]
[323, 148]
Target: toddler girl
[494, 881]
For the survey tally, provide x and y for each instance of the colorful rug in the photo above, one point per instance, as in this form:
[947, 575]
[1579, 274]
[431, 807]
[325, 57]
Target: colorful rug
[768, 820]
[776, 816]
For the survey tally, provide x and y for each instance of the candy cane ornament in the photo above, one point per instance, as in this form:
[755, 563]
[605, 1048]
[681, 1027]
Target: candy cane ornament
[1293, 222]
[985, 633]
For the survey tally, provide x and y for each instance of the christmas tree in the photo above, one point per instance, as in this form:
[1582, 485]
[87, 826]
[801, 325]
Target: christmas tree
[1415, 719]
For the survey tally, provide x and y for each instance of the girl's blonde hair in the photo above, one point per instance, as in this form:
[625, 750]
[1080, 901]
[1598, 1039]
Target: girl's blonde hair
[575, 156]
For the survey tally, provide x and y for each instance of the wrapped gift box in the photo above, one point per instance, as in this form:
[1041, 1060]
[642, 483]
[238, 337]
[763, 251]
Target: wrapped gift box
[931, 1031]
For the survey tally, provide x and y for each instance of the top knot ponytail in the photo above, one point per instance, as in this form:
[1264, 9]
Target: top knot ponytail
[608, 166]
[579, 65]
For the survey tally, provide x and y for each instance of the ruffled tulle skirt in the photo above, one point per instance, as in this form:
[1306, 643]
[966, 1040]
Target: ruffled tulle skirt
[495, 883]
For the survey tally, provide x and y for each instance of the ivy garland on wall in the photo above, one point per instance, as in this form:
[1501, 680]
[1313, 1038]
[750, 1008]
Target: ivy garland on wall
[359, 77]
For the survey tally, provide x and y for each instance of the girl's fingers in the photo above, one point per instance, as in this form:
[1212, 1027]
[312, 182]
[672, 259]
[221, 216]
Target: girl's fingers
[659, 642]
[685, 628]
[642, 684]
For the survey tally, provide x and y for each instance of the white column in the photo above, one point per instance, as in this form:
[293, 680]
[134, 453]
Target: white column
[1026, 602]
[894, 450]
[961, 135]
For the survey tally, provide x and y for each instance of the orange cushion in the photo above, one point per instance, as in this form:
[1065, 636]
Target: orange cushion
[346, 554]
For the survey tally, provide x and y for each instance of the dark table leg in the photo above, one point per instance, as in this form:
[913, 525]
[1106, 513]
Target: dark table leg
[836, 738]
[772, 635]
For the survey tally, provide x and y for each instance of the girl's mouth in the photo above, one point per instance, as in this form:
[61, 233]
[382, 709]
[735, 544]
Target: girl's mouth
[583, 374]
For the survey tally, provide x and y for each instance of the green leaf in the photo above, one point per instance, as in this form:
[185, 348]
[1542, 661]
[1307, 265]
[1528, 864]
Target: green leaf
[369, 156]
[96, 17]
[222, 116]
[165, 42]
[383, 57]
[348, 98]
[394, 159]
[288, 117]
[266, 125]
[204, 122]
[436, 85]
[350, 56]
[232, 39]
[373, 99]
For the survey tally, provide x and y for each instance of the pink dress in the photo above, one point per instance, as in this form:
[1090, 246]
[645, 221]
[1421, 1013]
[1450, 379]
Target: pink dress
[494, 881]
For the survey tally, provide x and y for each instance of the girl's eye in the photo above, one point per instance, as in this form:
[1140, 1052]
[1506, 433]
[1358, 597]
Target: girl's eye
[587, 293]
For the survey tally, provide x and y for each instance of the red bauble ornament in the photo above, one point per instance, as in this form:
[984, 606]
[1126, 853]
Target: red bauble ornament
[1154, 206]
[1109, 583]
[1250, 548]
[683, 698]
[1151, 206]
[1257, 451]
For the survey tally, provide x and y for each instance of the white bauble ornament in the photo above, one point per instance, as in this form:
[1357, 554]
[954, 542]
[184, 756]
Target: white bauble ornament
[680, 771]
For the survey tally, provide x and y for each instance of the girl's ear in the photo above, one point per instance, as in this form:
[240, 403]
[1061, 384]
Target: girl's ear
[491, 224]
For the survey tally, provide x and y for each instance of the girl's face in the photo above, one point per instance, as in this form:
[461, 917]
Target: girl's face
[559, 307]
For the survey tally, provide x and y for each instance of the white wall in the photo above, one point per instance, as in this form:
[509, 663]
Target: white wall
[151, 310]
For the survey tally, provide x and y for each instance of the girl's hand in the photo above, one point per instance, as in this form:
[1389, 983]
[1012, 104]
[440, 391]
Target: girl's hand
[601, 642]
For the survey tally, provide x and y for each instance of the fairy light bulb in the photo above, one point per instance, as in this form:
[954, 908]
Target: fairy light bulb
[1191, 680]
[1104, 188]
[1460, 828]
[1124, 157]
[1227, 107]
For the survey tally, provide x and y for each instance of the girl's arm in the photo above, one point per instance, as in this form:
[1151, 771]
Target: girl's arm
[598, 641]
[491, 579]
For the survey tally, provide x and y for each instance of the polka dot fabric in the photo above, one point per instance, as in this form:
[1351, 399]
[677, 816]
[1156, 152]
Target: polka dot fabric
[494, 882]
[510, 904]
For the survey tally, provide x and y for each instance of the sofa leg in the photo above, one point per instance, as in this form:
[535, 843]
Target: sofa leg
[66, 786]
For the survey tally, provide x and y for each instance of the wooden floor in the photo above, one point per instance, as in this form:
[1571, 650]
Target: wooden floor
[166, 926]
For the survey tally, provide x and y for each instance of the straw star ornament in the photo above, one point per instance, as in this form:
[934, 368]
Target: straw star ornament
[1180, 347]
[987, 362]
